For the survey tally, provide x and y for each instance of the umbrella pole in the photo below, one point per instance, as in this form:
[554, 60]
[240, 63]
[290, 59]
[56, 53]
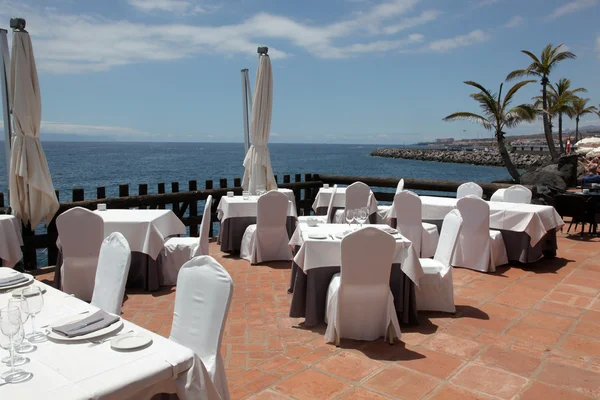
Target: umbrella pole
[4, 68]
[245, 102]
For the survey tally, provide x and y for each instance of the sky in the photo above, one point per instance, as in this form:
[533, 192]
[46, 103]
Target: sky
[344, 71]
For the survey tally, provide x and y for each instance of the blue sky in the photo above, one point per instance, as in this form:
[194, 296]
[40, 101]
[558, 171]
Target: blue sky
[345, 71]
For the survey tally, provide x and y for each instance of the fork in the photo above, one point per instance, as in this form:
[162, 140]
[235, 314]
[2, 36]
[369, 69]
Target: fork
[93, 342]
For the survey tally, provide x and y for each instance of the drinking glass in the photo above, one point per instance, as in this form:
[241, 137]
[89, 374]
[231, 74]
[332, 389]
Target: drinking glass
[361, 216]
[245, 195]
[21, 303]
[349, 218]
[11, 327]
[35, 303]
[5, 343]
[260, 190]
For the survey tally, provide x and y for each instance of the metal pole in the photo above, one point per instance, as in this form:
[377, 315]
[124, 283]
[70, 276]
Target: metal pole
[245, 101]
[4, 76]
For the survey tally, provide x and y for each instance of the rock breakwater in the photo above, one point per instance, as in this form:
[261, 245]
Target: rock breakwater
[475, 157]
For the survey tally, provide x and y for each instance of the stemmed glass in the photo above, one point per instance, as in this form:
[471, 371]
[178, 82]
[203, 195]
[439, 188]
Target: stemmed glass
[12, 328]
[349, 218]
[361, 216]
[21, 303]
[35, 303]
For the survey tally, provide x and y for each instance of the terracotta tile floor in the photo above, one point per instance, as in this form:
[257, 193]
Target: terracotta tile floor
[524, 332]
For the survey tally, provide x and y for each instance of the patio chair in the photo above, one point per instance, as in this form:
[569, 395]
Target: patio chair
[517, 194]
[357, 196]
[204, 291]
[469, 188]
[111, 275]
[424, 236]
[581, 209]
[360, 305]
[323, 219]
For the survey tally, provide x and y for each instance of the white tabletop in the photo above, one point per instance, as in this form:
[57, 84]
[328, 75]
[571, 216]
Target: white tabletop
[10, 240]
[316, 253]
[145, 230]
[82, 370]
[324, 195]
[236, 206]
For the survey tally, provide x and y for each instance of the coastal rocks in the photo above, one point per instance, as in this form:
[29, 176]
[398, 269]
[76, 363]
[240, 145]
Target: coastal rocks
[544, 177]
[474, 157]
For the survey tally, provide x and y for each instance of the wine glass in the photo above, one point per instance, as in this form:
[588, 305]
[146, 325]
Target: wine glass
[11, 327]
[21, 303]
[35, 303]
[349, 218]
[361, 216]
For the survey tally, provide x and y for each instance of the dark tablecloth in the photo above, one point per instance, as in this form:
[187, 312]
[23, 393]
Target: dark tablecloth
[232, 231]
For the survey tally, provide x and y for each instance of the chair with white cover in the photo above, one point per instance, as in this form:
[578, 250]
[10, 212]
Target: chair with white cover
[323, 219]
[357, 196]
[469, 188]
[498, 195]
[423, 236]
[80, 232]
[179, 250]
[382, 211]
[478, 247]
[400, 186]
[360, 305]
[517, 194]
[204, 291]
[267, 240]
[436, 291]
[111, 274]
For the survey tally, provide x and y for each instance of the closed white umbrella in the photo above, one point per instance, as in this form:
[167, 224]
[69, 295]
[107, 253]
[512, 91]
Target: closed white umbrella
[32, 195]
[257, 164]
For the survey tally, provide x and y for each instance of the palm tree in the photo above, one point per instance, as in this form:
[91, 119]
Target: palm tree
[579, 108]
[563, 90]
[497, 115]
[541, 68]
[556, 105]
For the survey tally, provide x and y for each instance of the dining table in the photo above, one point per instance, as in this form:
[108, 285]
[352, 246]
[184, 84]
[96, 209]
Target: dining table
[146, 232]
[321, 202]
[95, 367]
[236, 213]
[318, 258]
[10, 240]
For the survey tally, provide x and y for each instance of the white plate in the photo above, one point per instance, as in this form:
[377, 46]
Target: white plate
[130, 341]
[17, 292]
[100, 332]
[317, 236]
[27, 282]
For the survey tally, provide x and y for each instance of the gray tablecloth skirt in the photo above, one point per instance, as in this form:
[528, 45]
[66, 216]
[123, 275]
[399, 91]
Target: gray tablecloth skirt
[143, 272]
[518, 244]
[323, 211]
[232, 231]
[310, 294]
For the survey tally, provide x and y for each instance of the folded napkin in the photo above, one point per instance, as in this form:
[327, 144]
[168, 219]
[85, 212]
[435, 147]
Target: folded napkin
[12, 280]
[94, 322]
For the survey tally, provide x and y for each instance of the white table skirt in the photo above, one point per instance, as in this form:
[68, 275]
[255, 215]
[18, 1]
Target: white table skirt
[324, 195]
[535, 220]
[316, 253]
[81, 370]
[236, 207]
[145, 230]
[10, 240]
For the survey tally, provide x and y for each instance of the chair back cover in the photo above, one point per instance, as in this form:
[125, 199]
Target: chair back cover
[357, 196]
[517, 194]
[362, 303]
[473, 246]
[272, 209]
[81, 233]
[112, 272]
[469, 188]
[498, 195]
[204, 291]
[400, 186]
[202, 249]
[451, 228]
[407, 206]
[330, 206]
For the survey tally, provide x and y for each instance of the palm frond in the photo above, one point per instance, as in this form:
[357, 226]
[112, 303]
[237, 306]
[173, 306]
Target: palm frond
[480, 87]
[512, 91]
[521, 73]
[470, 117]
[533, 56]
[519, 114]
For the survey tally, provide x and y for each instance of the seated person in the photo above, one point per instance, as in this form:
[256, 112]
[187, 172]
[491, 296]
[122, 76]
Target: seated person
[593, 176]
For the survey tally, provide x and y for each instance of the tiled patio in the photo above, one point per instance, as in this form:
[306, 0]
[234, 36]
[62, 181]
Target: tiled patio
[524, 332]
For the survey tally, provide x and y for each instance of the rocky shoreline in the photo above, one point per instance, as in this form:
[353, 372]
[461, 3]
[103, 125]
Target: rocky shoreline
[474, 157]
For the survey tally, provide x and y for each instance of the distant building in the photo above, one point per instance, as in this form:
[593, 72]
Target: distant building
[444, 141]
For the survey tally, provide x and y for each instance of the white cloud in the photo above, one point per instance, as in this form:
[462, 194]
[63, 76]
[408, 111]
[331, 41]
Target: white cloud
[178, 7]
[571, 7]
[409, 23]
[514, 22]
[79, 129]
[445, 45]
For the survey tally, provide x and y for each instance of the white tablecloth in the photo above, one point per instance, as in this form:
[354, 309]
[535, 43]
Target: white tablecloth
[236, 206]
[81, 370]
[10, 240]
[324, 195]
[145, 230]
[316, 253]
[535, 220]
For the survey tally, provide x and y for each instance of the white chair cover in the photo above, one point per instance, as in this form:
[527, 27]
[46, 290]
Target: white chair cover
[430, 240]
[204, 291]
[436, 290]
[469, 188]
[179, 250]
[407, 206]
[517, 194]
[81, 233]
[498, 195]
[324, 219]
[357, 196]
[400, 186]
[478, 247]
[267, 240]
[111, 274]
[360, 305]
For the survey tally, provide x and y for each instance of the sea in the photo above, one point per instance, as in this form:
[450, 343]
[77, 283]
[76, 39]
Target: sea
[88, 165]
